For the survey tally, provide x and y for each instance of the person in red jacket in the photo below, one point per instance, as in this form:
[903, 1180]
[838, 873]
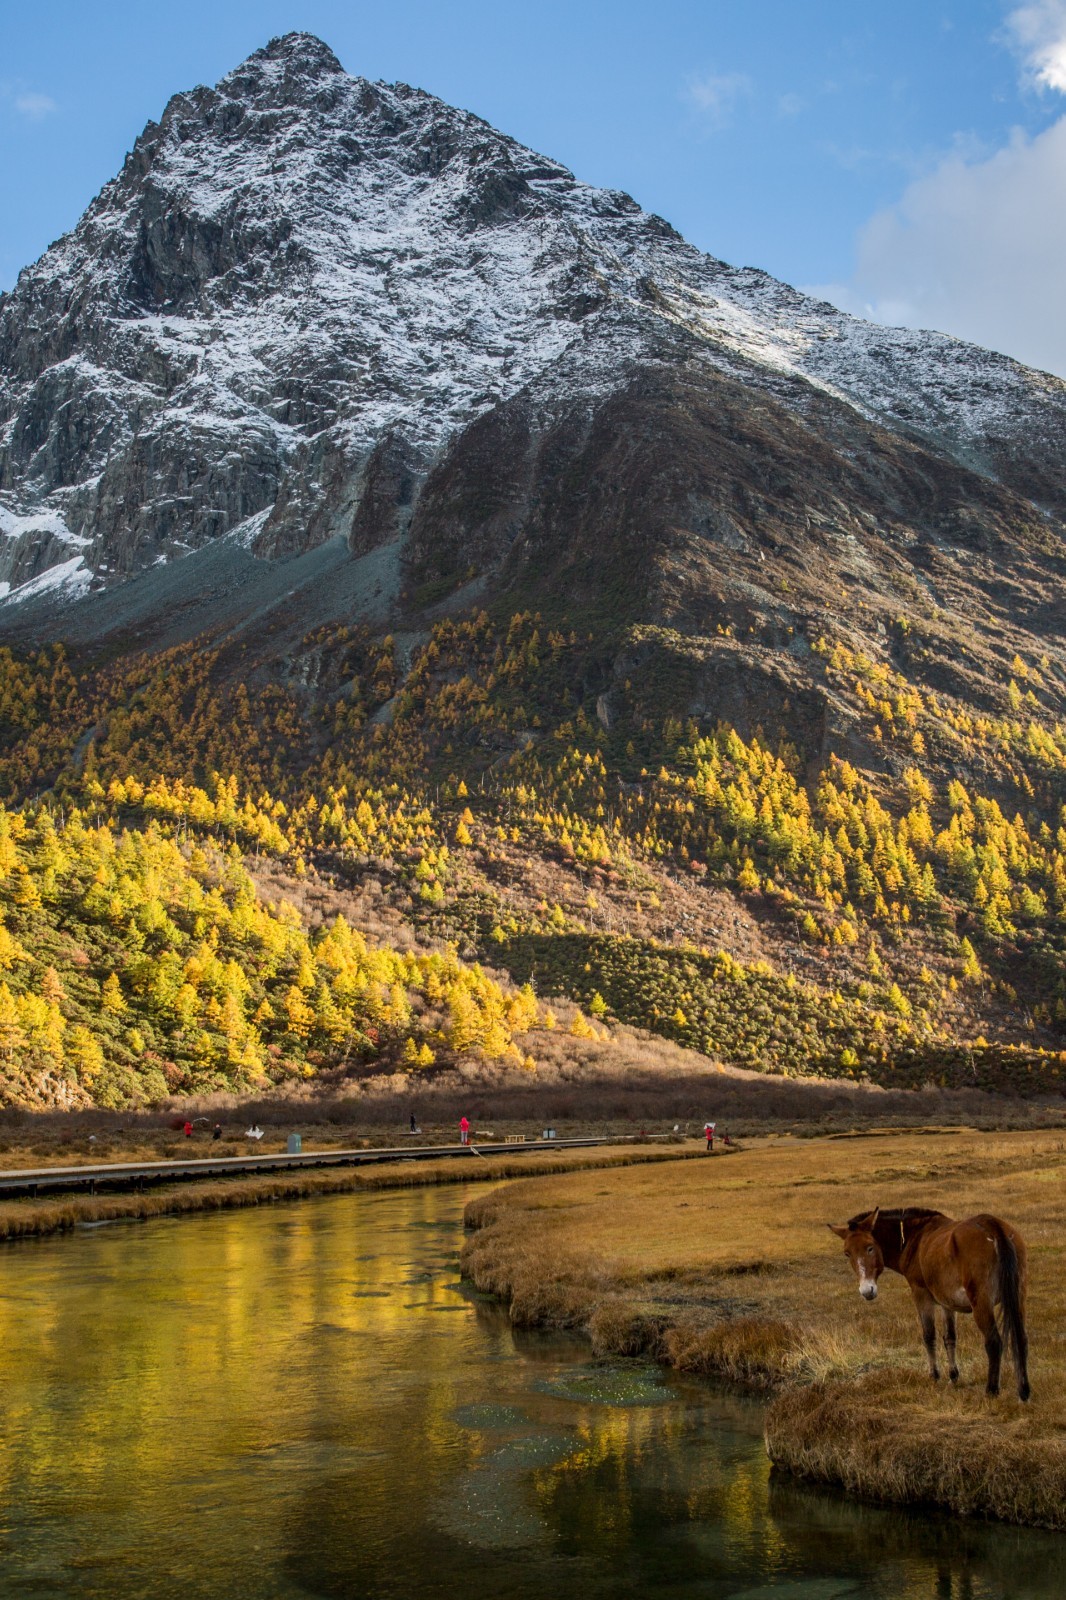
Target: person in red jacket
[464, 1130]
[187, 1130]
[708, 1134]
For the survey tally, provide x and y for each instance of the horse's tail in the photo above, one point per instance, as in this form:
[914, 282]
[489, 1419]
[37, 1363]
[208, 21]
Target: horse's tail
[1010, 1299]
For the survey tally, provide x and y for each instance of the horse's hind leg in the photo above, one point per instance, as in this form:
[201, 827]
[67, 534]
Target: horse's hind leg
[1020, 1341]
[925, 1306]
[1021, 1364]
[949, 1345]
[984, 1314]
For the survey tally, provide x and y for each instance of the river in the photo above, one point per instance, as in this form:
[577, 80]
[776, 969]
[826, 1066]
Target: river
[305, 1400]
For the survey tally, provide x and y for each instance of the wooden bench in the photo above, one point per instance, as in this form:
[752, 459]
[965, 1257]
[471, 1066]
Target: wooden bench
[514, 1138]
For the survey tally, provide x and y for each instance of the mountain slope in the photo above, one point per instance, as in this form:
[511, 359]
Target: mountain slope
[303, 289]
[378, 498]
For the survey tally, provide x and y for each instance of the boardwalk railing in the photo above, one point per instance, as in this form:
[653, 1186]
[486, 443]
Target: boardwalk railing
[119, 1174]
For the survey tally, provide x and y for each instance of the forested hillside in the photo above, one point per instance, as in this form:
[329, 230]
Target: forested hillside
[165, 825]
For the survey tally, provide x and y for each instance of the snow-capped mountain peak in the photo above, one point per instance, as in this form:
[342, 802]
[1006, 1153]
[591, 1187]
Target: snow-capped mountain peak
[303, 287]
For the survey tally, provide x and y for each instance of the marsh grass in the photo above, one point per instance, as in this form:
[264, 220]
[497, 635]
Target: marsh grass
[885, 1438]
[723, 1267]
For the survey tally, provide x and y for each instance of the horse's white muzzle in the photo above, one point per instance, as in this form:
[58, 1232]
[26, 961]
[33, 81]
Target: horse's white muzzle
[868, 1291]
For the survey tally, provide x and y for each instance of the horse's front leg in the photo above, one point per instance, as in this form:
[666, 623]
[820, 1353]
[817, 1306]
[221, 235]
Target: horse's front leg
[949, 1344]
[925, 1306]
[984, 1314]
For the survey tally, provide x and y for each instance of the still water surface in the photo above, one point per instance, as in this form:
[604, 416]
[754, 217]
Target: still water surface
[305, 1401]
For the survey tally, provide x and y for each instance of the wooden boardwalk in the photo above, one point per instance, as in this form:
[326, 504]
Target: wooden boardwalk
[139, 1174]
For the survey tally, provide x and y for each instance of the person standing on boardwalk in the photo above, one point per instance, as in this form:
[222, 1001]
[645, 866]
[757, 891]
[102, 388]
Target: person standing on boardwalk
[708, 1134]
[464, 1130]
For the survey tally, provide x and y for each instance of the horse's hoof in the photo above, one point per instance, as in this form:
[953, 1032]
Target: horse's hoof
[992, 1394]
[1024, 1392]
[953, 1375]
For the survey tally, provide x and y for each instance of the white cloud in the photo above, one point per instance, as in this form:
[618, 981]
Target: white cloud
[1038, 32]
[974, 248]
[35, 106]
[716, 95]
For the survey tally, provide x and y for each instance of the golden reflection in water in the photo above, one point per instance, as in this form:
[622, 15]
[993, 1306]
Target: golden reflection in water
[303, 1401]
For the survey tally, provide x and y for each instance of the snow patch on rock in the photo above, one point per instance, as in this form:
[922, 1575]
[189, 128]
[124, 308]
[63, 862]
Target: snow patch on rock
[68, 578]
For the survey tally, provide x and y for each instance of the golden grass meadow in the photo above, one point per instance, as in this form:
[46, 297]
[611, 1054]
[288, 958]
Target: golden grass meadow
[724, 1267]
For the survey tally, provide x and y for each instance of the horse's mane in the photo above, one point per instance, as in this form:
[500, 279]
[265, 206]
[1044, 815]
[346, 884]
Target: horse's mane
[897, 1214]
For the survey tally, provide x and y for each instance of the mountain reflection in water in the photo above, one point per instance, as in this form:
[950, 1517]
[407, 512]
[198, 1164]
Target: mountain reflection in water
[305, 1401]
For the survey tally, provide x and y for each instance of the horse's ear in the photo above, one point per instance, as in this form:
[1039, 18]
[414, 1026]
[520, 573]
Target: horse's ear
[841, 1233]
[872, 1223]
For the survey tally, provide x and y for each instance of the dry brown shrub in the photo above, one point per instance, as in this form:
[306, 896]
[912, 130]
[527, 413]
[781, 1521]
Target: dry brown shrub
[544, 1302]
[536, 1284]
[622, 1328]
[756, 1351]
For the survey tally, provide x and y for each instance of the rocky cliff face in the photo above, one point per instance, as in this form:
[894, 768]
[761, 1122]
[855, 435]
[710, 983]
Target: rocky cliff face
[312, 307]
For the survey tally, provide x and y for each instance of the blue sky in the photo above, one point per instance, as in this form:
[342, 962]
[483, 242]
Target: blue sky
[905, 157]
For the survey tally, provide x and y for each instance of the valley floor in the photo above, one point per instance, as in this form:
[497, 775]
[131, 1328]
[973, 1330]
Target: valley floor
[723, 1266]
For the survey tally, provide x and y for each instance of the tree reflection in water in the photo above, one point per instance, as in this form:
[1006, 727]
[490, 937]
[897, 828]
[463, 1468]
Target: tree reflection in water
[305, 1401]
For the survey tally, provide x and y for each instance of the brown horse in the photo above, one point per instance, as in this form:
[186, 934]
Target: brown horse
[959, 1266]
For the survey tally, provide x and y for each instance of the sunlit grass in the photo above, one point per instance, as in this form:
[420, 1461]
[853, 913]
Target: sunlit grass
[724, 1266]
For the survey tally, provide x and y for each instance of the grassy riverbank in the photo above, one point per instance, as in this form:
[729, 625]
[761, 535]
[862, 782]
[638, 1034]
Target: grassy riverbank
[28, 1218]
[724, 1266]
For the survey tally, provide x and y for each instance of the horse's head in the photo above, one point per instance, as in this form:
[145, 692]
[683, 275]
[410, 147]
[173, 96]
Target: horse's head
[863, 1252]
